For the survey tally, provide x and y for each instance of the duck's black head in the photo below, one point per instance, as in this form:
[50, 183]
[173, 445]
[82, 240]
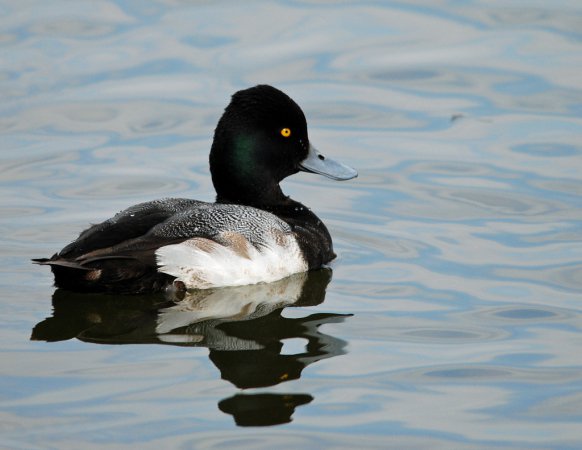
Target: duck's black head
[260, 139]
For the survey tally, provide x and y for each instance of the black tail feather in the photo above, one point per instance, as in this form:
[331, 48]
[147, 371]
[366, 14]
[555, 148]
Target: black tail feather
[106, 274]
[60, 262]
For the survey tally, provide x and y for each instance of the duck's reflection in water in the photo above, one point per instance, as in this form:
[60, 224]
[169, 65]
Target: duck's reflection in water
[263, 409]
[243, 328]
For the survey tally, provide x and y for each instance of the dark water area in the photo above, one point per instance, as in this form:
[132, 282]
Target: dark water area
[452, 317]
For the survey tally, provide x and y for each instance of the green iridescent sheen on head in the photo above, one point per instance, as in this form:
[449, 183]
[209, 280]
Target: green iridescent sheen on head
[243, 156]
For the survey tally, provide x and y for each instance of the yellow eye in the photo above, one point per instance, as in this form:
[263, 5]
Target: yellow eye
[286, 132]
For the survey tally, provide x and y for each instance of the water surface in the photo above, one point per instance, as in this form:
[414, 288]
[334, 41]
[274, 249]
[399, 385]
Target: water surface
[452, 317]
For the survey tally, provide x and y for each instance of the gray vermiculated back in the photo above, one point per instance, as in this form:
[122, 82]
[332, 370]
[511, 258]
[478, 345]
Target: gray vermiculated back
[211, 219]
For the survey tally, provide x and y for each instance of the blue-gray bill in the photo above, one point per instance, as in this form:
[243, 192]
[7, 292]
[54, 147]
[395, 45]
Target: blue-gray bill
[322, 165]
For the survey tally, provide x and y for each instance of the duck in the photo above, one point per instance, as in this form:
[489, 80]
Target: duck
[252, 233]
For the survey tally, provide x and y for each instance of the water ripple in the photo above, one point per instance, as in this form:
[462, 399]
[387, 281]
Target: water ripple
[116, 188]
[71, 27]
[459, 242]
[526, 314]
[453, 335]
[490, 374]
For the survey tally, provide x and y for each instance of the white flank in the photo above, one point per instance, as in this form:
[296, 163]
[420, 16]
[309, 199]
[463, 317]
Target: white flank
[201, 263]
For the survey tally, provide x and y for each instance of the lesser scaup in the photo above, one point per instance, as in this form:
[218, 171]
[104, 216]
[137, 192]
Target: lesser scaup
[253, 233]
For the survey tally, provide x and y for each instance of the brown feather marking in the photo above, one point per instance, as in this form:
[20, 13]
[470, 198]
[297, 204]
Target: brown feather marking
[206, 245]
[93, 275]
[280, 237]
[236, 242]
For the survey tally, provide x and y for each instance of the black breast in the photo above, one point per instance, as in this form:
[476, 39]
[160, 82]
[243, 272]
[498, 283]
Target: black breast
[312, 235]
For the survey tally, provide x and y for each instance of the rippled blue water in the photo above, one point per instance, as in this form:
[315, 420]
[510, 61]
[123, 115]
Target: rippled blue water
[454, 315]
